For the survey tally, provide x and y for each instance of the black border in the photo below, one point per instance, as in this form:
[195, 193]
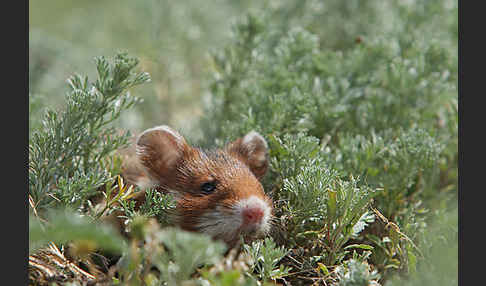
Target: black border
[15, 160]
[471, 88]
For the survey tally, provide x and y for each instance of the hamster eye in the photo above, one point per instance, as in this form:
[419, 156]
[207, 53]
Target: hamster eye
[208, 187]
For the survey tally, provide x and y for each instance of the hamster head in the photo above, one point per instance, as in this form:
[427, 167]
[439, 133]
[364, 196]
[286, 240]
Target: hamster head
[217, 192]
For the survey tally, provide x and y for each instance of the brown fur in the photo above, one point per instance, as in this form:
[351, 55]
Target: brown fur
[175, 167]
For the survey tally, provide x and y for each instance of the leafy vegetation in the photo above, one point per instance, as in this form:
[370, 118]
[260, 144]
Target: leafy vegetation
[356, 99]
[66, 155]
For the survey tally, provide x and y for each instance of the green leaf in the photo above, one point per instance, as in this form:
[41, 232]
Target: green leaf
[360, 246]
[412, 261]
[323, 268]
[67, 226]
[185, 252]
[331, 204]
[365, 219]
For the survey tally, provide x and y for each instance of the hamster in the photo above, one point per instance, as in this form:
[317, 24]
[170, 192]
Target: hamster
[217, 192]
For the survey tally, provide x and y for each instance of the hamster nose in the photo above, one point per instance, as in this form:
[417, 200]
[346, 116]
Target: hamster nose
[252, 215]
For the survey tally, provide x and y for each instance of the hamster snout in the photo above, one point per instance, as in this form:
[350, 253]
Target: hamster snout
[255, 214]
[252, 216]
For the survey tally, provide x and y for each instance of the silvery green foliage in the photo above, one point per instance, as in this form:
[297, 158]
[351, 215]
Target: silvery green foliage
[184, 253]
[66, 153]
[264, 256]
[167, 256]
[400, 162]
[315, 198]
[156, 205]
[294, 83]
[67, 225]
[373, 118]
[356, 273]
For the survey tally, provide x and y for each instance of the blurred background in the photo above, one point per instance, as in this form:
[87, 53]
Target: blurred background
[174, 41]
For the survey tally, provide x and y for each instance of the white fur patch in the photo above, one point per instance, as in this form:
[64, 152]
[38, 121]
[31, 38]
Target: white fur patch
[251, 138]
[145, 182]
[220, 224]
[223, 224]
[251, 142]
[253, 202]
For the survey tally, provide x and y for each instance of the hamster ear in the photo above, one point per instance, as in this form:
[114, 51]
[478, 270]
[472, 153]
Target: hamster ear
[252, 149]
[159, 149]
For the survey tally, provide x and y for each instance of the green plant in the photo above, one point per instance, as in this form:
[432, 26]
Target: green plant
[356, 273]
[383, 110]
[155, 204]
[440, 244]
[179, 245]
[175, 254]
[264, 256]
[64, 226]
[400, 162]
[66, 154]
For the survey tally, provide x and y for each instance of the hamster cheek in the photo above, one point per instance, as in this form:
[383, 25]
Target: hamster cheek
[219, 223]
